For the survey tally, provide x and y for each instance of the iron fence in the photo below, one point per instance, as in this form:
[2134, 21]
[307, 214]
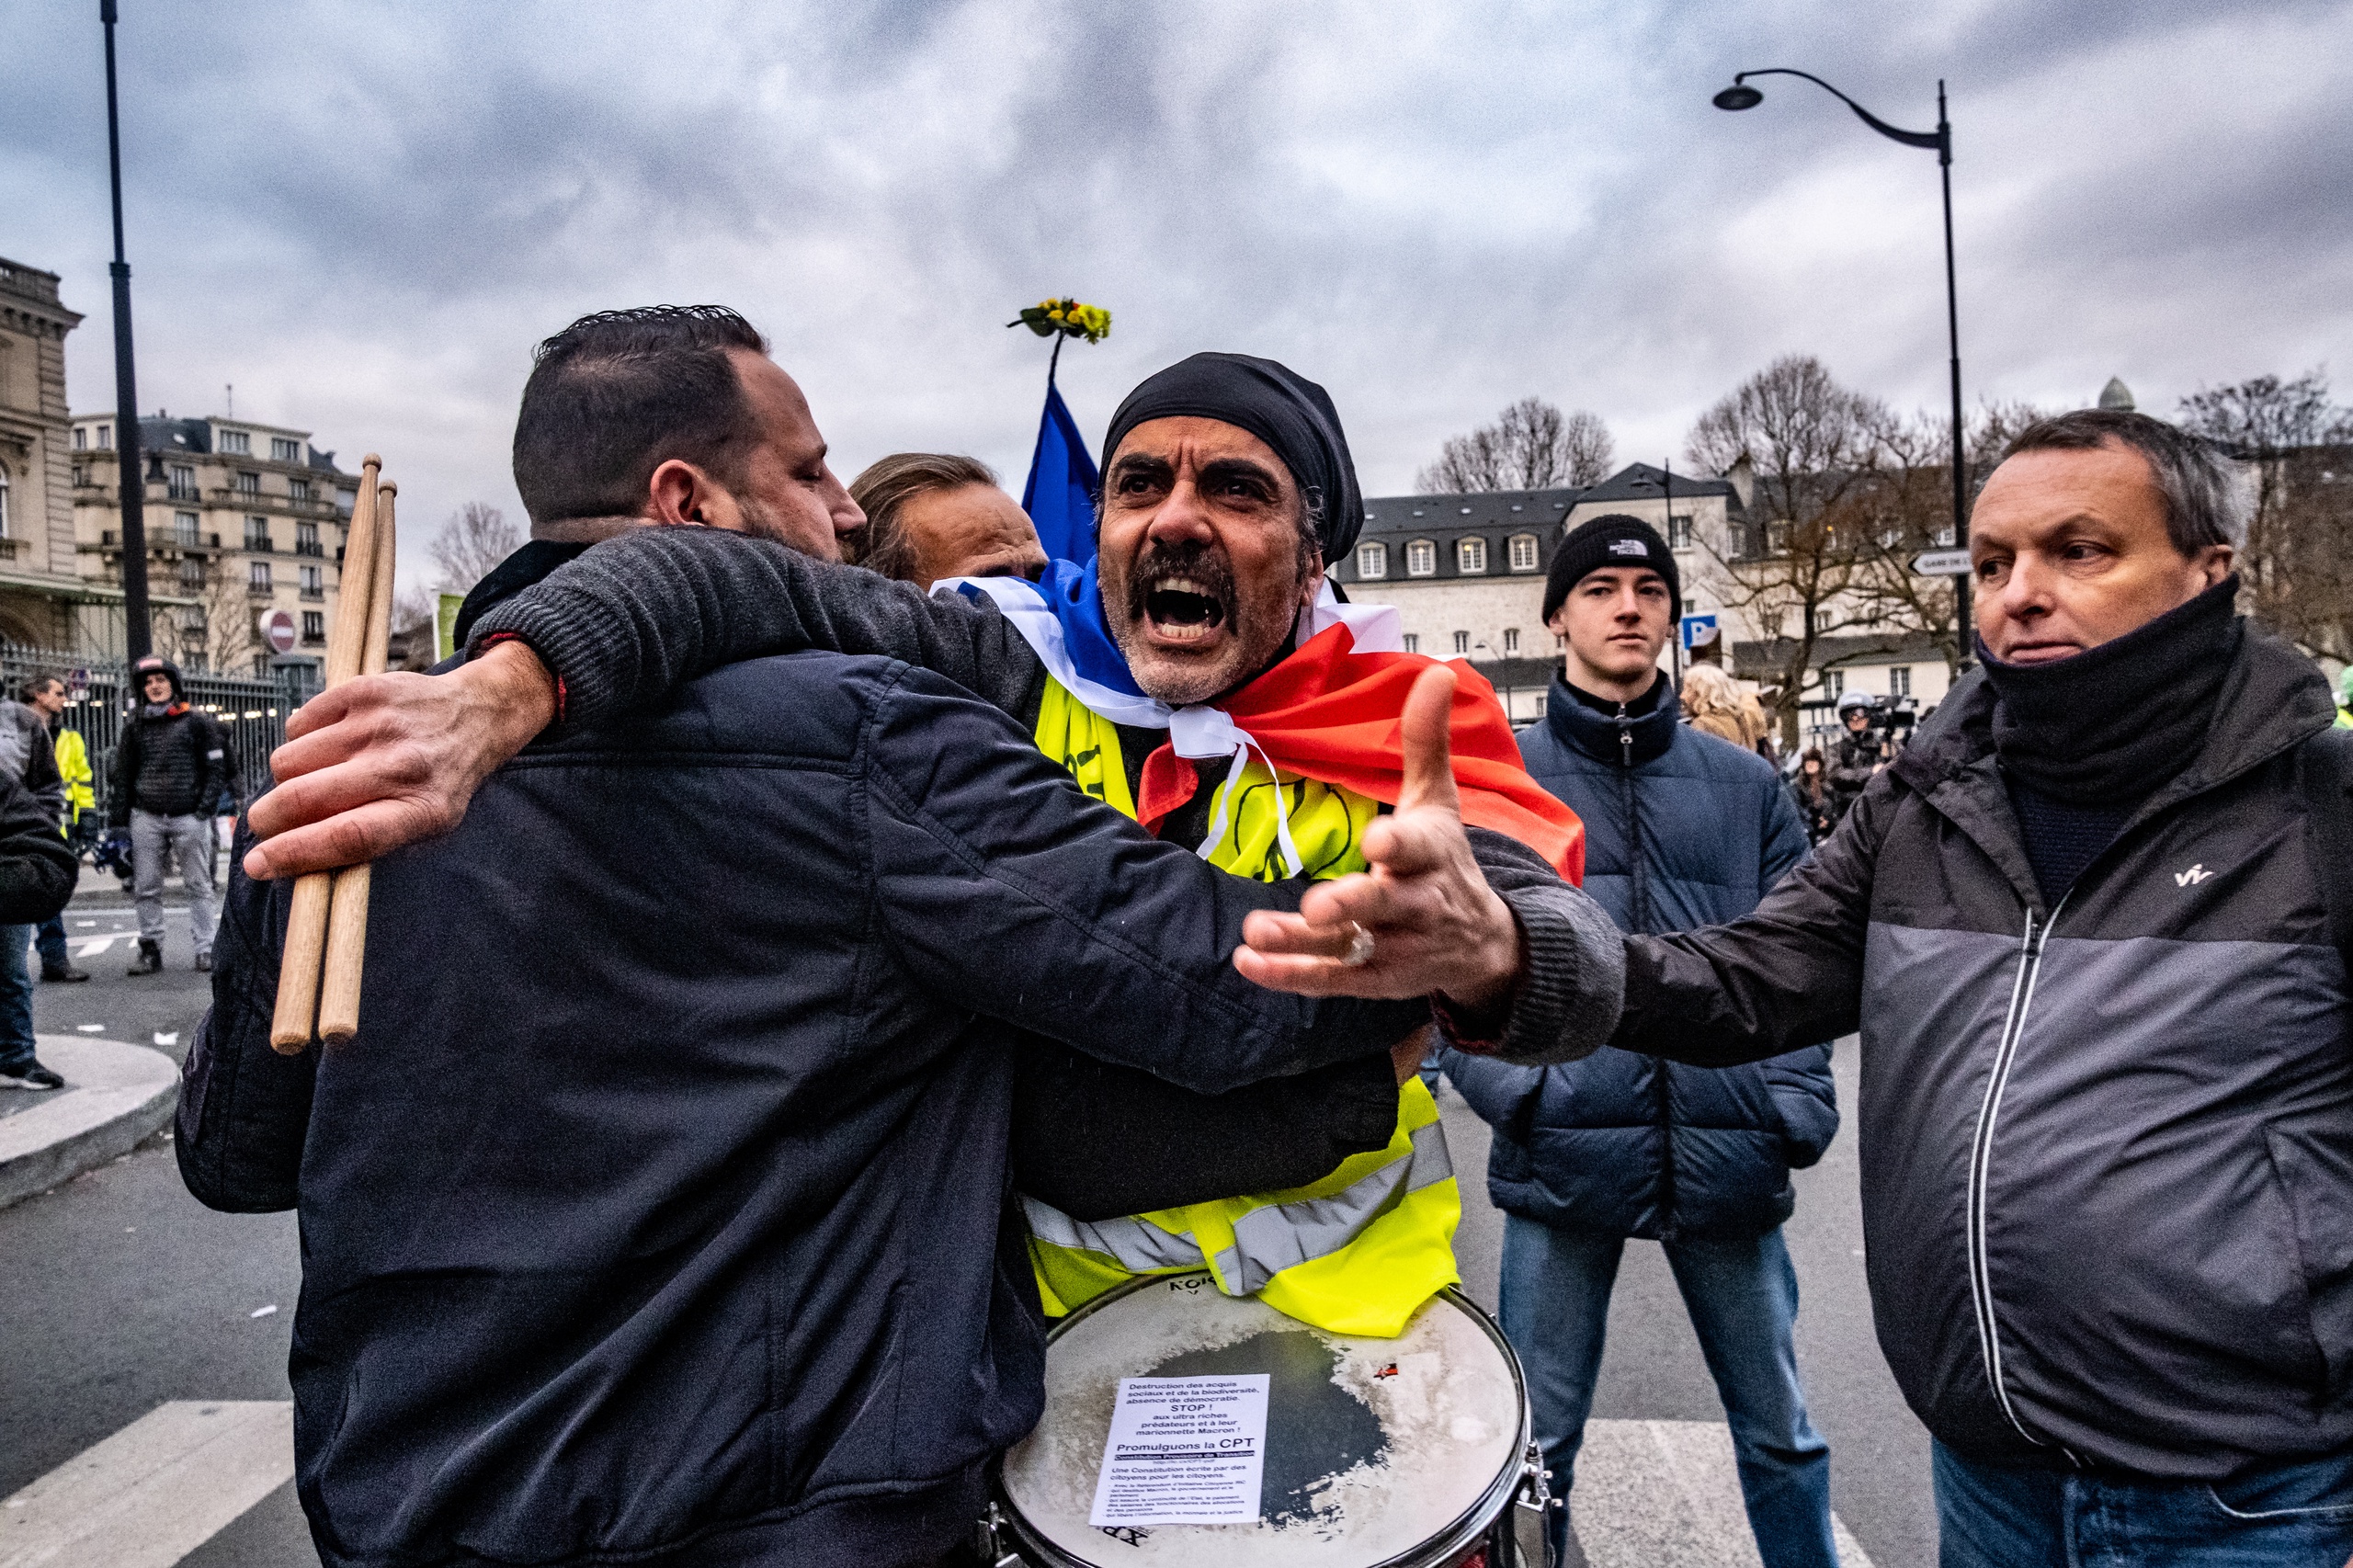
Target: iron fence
[252, 710]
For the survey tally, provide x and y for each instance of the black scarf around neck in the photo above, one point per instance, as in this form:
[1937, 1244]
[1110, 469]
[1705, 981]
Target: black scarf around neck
[2114, 723]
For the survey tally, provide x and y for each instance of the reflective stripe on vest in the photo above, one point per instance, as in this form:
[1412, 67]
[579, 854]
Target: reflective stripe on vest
[1283, 1235]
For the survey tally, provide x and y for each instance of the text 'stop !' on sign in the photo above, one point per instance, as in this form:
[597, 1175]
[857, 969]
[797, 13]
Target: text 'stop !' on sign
[277, 629]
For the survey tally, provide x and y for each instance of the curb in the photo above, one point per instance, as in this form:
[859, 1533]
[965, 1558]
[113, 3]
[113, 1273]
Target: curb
[115, 1095]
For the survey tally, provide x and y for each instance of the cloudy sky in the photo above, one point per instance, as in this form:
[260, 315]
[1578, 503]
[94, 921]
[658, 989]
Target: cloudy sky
[362, 214]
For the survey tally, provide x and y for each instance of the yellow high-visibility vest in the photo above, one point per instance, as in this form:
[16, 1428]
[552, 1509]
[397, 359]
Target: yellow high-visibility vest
[1354, 1252]
[74, 766]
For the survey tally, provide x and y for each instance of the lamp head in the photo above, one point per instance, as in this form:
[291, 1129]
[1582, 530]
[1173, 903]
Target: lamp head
[1739, 96]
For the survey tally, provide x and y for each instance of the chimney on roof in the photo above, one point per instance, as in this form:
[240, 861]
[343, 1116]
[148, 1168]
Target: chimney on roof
[1743, 477]
[2116, 395]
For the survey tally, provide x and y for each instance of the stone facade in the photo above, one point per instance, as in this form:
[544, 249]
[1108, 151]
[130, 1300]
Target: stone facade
[43, 600]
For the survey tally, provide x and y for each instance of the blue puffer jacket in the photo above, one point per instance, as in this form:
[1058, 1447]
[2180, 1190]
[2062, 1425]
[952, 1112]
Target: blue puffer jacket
[1681, 830]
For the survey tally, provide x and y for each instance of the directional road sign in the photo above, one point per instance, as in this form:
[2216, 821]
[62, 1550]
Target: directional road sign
[1942, 564]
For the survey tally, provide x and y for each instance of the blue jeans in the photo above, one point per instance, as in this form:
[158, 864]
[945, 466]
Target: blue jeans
[2296, 1515]
[52, 943]
[15, 999]
[1742, 1294]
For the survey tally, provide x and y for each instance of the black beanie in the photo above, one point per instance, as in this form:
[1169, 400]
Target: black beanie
[1614, 541]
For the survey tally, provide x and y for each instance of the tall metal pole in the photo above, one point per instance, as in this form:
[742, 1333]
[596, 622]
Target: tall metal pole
[137, 633]
[1962, 586]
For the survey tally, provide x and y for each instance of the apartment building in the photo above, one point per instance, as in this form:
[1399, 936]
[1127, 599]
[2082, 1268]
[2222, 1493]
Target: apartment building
[245, 526]
[45, 602]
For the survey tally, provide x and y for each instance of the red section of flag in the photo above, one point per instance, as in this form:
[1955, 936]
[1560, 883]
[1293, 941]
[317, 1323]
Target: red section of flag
[1332, 714]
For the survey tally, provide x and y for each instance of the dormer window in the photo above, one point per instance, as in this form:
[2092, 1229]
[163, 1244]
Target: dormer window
[1372, 562]
[1523, 552]
[1471, 556]
[1421, 559]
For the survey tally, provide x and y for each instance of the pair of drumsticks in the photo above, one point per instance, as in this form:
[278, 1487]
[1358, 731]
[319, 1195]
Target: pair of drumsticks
[326, 933]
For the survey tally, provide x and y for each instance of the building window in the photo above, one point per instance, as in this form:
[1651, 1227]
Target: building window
[248, 484]
[1678, 531]
[192, 572]
[300, 489]
[257, 577]
[1421, 559]
[1899, 681]
[345, 500]
[314, 586]
[1777, 538]
[285, 449]
[1413, 642]
[80, 438]
[314, 626]
[306, 539]
[1523, 552]
[236, 443]
[1511, 641]
[1462, 641]
[105, 437]
[1372, 560]
[4, 506]
[1944, 539]
[182, 485]
[257, 534]
[184, 530]
[1823, 620]
[1471, 556]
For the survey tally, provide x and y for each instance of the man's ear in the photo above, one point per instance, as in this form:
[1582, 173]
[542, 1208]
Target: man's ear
[2216, 561]
[680, 493]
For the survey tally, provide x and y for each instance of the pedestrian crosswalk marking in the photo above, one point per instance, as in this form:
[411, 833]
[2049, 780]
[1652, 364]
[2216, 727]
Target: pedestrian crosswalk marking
[153, 1492]
[1667, 1495]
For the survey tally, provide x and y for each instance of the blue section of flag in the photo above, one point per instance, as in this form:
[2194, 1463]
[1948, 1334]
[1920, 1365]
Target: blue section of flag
[1060, 496]
[1073, 593]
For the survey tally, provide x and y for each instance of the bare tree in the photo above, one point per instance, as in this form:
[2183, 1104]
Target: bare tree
[2297, 563]
[1531, 445]
[220, 631]
[475, 538]
[1801, 569]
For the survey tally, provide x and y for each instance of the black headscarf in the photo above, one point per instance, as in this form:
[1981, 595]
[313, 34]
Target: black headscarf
[1280, 406]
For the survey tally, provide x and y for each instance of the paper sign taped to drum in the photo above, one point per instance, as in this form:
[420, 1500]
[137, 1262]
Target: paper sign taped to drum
[1184, 1451]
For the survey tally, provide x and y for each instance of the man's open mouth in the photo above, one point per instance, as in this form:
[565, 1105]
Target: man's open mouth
[1183, 609]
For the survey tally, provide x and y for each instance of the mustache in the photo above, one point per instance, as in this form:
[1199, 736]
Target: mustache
[1195, 560]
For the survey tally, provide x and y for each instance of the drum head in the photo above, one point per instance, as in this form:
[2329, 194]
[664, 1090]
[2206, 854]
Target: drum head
[1377, 1450]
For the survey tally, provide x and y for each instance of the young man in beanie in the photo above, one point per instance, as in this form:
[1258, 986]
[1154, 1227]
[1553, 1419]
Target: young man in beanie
[1682, 829]
[172, 764]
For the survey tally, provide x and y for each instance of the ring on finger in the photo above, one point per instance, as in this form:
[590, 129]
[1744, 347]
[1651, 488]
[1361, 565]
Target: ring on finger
[1359, 951]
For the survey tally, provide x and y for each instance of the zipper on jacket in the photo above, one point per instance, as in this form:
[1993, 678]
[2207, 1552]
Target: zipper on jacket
[1981, 1157]
[1639, 907]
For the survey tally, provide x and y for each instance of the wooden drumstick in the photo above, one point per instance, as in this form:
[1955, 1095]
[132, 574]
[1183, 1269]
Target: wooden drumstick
[347, 917]
[306, 925]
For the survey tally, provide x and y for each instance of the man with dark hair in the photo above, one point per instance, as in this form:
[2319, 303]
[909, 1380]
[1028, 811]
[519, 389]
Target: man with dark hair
[1682, 828]
[2093, 924]
[730, 1274]
[170, 768]
[45, 695]
[930, 515]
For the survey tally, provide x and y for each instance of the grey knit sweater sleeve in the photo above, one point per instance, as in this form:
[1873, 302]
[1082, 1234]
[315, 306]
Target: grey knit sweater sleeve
[1575, 981]
[628, 622]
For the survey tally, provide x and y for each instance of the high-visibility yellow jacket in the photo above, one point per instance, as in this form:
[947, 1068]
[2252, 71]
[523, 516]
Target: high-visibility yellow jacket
[74, 766]
[1355, 1253]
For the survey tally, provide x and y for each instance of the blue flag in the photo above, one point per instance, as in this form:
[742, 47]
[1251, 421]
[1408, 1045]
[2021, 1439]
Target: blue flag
[1060, 496]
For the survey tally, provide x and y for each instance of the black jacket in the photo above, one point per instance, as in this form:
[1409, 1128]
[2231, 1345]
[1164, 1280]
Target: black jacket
[2107, 1148]
[659, 1212]
[175, 764]
[1681, 829]
[36, 871]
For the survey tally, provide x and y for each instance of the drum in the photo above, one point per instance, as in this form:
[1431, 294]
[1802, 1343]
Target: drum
[1411, 1452]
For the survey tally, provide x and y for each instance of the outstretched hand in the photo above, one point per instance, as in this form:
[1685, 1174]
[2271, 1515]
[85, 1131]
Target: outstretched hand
[1437, 928]
[386, 760]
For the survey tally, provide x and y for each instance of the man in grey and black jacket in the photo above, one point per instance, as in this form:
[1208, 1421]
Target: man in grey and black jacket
[2083, 924]
[169, 770]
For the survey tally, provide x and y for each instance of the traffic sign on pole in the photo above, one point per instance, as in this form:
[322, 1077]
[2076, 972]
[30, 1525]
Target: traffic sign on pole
[1942, 564]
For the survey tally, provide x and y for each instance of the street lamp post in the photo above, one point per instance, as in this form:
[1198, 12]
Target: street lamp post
[1741, 95]
[136, 636]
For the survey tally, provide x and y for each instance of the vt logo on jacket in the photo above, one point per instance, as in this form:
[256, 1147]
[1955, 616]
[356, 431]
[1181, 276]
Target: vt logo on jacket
[2192, 876]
